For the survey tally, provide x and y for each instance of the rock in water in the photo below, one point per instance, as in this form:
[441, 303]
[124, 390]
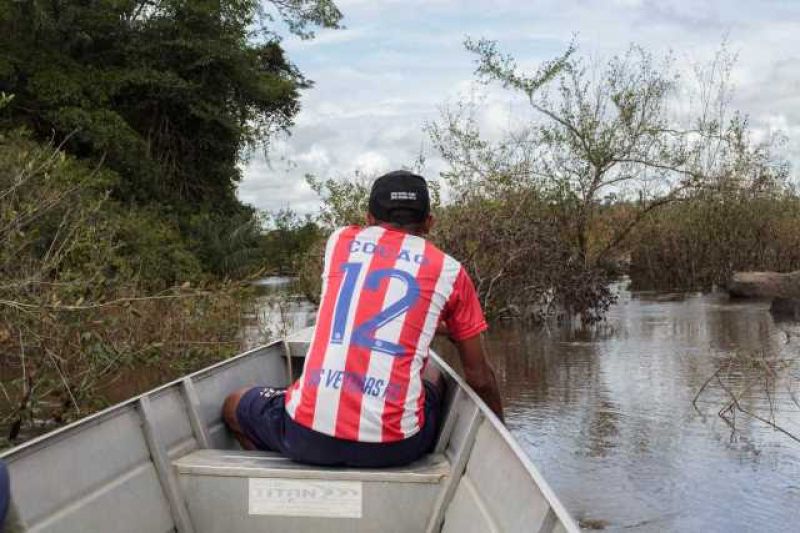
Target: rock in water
[765, 285]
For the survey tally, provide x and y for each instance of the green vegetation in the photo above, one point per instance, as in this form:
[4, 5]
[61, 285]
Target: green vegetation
[124, 247]
[701, 242]
[78, 312]
[166, 94]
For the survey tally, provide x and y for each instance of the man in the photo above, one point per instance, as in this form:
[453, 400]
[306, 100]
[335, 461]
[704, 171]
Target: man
[362, 400]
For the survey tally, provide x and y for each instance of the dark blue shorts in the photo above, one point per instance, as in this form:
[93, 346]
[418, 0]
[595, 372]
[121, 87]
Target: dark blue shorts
[263, 419]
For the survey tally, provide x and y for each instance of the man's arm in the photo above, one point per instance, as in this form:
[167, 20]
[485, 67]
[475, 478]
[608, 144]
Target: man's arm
[479, 374]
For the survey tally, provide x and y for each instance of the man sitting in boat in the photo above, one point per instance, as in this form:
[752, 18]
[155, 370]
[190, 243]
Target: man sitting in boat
[366, 397]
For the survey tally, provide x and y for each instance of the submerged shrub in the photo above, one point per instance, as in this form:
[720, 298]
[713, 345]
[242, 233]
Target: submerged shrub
[511, 244]
[507, 235]
[699, 243]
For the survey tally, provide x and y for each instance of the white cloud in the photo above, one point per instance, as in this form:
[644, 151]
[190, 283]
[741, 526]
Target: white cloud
[370, 163]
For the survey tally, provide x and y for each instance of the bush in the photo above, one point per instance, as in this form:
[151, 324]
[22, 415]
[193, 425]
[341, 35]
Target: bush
[152, 250]
[699, 243]
[511, 243]
[78, 303]
[227, 246]
[287, 241]
[506, 235]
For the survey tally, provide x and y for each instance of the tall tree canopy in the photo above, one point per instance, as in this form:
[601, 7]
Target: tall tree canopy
[166, 92]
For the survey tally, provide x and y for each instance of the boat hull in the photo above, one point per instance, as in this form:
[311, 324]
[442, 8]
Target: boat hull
[164, 461]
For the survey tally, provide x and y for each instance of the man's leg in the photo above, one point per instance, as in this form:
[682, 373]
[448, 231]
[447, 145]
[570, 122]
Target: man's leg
[232, 421]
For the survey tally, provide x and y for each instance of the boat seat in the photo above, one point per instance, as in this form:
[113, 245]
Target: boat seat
[236, 463]
[227, 490]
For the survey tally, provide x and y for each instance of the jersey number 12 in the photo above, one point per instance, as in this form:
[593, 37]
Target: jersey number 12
[364, 334]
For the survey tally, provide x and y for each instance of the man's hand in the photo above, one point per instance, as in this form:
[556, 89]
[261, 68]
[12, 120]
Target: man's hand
[479, 373]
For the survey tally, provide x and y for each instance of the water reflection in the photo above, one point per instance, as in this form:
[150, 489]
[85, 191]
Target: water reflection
[277, 311]
[606, 413]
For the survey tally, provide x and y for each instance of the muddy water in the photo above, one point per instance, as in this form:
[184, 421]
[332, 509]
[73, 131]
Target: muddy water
[607, 413]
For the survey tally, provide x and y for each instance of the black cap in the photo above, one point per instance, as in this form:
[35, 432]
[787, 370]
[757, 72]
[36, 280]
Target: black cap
[400, 197]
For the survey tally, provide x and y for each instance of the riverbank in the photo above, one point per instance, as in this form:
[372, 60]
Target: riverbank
[155, 341]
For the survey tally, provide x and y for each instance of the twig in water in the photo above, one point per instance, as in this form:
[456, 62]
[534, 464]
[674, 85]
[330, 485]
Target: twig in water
[699, 392]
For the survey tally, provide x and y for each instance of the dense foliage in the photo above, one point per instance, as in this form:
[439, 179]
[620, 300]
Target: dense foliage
[168, 94]
[77, 309]
[122, 127]
[289, 239]
[701, 242]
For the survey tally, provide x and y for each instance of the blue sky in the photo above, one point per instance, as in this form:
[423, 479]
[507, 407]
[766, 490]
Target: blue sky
[396, 64]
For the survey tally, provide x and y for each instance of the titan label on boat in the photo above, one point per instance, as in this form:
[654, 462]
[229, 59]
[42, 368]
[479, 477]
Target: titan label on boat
[305, 497]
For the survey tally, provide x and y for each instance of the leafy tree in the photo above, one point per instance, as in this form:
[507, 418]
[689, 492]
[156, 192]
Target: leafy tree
[288, 240]
[166, 92]
[598, 134]
[344, 201]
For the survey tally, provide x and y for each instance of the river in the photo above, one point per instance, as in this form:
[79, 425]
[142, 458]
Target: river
[607, 414]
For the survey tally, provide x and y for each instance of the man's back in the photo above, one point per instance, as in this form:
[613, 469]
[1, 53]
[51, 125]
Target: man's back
[362, 400]
[384, 291]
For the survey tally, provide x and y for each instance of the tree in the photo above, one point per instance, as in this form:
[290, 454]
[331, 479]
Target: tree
[288, 240]
[166, 92]
[543, 216]
[598, 135]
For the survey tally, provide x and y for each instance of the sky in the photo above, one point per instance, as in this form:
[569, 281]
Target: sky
[398, 62]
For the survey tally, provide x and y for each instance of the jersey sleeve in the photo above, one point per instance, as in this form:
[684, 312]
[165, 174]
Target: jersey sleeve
[462, 313]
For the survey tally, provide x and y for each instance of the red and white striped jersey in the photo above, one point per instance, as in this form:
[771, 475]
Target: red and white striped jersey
[384, 292]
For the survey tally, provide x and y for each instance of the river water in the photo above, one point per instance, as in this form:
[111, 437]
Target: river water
[607, 414]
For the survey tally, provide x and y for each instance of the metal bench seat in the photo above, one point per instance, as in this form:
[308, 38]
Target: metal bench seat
[232, 490]
[238, 463]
